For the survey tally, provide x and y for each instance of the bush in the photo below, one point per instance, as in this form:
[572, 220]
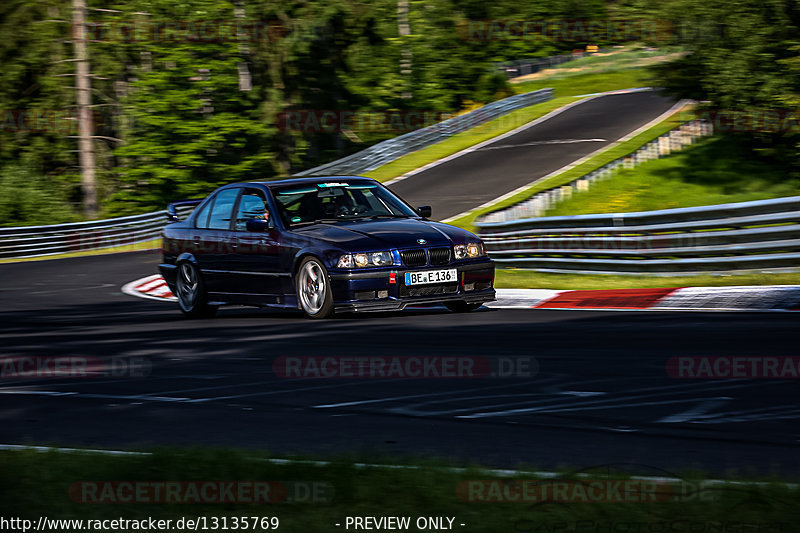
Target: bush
[27, 198]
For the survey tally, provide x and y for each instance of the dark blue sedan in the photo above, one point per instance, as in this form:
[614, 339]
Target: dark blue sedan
[322, 245]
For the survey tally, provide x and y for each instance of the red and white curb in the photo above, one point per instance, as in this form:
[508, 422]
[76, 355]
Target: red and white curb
[152, 287]
[747, 298]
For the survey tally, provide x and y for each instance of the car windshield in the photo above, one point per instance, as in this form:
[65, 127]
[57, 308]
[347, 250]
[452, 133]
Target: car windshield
[329, 201]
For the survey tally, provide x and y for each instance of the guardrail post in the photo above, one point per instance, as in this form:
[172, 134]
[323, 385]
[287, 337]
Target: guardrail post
[663, 146]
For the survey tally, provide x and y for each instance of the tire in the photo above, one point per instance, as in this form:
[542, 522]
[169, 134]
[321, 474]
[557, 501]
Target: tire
[191, 292]
[313, 286]
[461, 307]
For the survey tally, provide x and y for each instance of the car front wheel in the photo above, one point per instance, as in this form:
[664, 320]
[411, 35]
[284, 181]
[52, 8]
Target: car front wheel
[192, 295]
[314, 289]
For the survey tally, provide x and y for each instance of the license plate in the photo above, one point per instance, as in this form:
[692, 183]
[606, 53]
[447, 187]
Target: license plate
[431, 276]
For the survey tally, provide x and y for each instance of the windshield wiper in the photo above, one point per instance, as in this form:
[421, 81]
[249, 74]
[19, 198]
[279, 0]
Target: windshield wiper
[317, 221]
[386, 215]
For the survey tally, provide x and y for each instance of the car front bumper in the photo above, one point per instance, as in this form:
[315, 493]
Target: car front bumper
[374, 290]
[169, 272]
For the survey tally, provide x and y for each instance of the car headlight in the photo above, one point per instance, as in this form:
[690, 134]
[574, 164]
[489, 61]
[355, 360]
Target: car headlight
[469, 250]
[381, 258]
[361, 260]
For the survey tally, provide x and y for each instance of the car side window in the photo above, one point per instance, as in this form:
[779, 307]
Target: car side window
[223, 209]
[201, 220]
[252, 205]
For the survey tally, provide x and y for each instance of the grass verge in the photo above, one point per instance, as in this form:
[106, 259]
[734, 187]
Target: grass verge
[519, 278]
[716, 170]
[577, 84]
[616, 60]
[53, 485]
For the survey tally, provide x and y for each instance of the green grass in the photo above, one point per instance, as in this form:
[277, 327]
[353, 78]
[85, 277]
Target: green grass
[606, 156]
[716, 170]
[617, 61]
[36, 484]
[577, 84]
[565, 92]
[512, 278]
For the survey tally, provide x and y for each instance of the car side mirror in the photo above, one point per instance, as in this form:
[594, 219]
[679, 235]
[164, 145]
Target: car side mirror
[424, 211]
[257, 225]
[172, 214]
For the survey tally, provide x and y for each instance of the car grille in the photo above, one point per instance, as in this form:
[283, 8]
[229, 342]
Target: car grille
[439, 256]
[413, 258]
[428, 290]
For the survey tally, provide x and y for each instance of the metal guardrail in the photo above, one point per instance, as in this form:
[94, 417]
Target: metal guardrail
[759, 235]
[387, 151]
[36, 241]
[523, 67]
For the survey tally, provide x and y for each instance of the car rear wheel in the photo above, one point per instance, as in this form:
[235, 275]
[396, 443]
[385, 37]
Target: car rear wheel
[461, 307]
[192, 295]
[314, 289]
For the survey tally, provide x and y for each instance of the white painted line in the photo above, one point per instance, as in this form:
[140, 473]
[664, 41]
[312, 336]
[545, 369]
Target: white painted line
[395, 398]
[691, 414]
[48, 449]
[521, 298]
[760, 298]
[674, 109]
[137, 397]
[609, 403]
[542, 143]
[275, 392]
[619, 91]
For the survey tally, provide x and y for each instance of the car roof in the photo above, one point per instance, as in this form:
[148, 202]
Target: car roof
[304, 179]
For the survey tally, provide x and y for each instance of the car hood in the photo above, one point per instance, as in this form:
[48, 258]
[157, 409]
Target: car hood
[366, 235]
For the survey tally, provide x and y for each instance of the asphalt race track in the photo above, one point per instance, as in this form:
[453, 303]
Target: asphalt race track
[601, 394]
[477, 177]
[598, 390]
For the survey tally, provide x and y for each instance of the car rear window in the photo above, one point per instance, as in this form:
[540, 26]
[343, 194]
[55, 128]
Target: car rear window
[223, 209]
